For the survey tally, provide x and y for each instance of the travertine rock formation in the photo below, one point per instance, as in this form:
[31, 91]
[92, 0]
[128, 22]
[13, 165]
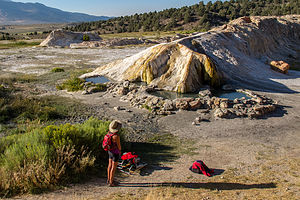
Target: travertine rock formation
[238, 53]
[61, 38]
[172, 66]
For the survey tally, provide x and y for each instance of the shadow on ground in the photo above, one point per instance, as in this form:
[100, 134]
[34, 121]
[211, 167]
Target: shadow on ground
[279, 112]
[218, 172]
[153, 153]
[151, 168]
[211, 186]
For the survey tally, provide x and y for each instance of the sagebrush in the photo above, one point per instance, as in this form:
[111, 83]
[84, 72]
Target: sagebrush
[47, 157]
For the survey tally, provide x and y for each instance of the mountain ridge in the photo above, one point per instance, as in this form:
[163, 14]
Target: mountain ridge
[15, 13]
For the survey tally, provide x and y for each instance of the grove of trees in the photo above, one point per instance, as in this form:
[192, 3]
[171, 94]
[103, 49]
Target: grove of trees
[197, 17]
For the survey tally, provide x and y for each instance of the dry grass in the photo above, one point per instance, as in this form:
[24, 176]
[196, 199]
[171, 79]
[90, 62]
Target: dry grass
[24, 29]
[18, 44]
[37, 176]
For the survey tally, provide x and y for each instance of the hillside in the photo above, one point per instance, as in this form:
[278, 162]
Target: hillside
[36, 13]
[198, 17]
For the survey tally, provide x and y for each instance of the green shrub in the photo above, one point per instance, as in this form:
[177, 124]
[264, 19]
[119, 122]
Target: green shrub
[57, 69]
[147, 107]
[94, 131]
[71, 85]
[22, 108]
[63, 135]
[29, 147]
[47, 157]
[99, 87]
[18, 44]
[33, 108]
[86, 37]
[5, 142]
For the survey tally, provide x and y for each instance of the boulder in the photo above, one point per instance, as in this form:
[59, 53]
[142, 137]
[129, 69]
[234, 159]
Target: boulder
[168, 105]
[62, 38]
[280, 66]
[195, 105]
[205, 93]
[122, 91]
[224, 104]
[126, 84]
[182, 104]
[257, 100]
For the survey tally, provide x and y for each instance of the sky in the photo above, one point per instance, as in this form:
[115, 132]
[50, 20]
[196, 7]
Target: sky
[113, 8]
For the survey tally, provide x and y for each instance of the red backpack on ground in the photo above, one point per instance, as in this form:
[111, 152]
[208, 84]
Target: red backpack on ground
[200, 168]
[107, 141]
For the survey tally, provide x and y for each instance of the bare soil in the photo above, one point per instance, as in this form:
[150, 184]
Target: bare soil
[260, 155]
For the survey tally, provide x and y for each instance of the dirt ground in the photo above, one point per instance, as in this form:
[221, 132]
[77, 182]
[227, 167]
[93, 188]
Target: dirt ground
[259, 157]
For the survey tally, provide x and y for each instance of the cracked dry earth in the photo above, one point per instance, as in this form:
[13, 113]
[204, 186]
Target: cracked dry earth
[245, 153]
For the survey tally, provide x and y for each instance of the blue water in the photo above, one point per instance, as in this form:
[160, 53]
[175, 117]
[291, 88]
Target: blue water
[97, 79]
[231, 95]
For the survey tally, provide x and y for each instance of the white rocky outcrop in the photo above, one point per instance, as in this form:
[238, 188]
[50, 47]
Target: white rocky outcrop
[62, 38]
[238, 53]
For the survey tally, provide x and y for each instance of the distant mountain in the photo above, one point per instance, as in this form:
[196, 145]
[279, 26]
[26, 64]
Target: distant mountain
[36, 13]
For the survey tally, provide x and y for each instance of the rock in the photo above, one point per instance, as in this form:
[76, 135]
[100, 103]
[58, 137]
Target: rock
[205, 93]
[257, 100]
[181, 104]
[236, 101]
[198, 119]
[64, 38]
[195, 105]
[219, 113]
[85, 92]
[123, 91]
[224, 104]
[246, 19]
[264, 109]
[126, 84]
[124, 99]
[163, 112]
[168, 105]
[280, 66]
[216, 102]
[117, 108]
[209, 104]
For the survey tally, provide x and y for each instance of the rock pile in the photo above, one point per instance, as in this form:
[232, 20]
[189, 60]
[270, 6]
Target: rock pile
[140, 97]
